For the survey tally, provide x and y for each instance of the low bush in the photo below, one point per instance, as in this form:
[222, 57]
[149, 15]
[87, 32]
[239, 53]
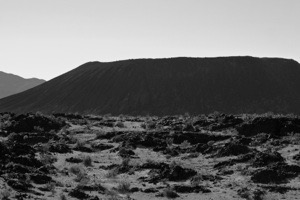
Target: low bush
[87, 161]
[123, 187]
[169, 193]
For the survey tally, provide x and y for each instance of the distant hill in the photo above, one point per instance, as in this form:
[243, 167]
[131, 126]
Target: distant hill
[11, 84]
[167, 87]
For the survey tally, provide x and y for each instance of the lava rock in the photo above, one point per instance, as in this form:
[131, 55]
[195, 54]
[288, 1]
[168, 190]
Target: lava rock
[76, 193]
[265, 158]
[272, 125]
[74, 160]
[101, 146]
[85, 149]
[178, 173]
[172, 173]
[27, 160]
[125, 153]
[19, 185]
[233, 149]
[40, 178]
[277, 173]
[18, 149]
[60, 148]
[29, 122]
[150, 190]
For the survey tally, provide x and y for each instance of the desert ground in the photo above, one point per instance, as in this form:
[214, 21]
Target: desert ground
[213, 157]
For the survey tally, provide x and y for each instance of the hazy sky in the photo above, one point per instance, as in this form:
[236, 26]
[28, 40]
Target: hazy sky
[45, 38]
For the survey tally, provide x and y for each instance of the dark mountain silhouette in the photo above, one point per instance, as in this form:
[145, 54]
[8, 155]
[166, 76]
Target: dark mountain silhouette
[11, 84]
[168, 86]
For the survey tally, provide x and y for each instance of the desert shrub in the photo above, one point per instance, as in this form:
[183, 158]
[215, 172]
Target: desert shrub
[169, 193]
[215, 114]
[31, 122]
[151, 125]
[120, 124]
[72, 139]
[44, 148]
[196, 180]
[38, 129]
[82, 178]
[169, 141]
[244, 193]
[175, 163]
[62, 197]
[259, 194]
[151, 161]
[125, 152]
[186, 115]
[79, 172]
[112, 173]
[112, 195]
[79, 144]
[123, 187]
[100, 134]
[148, 125]
[87, 161]
[125, 162]
[47, 159]
[144, 125]
[185, 144]
[51, 187]
[5, 194]
[193, 155]
[12, 137]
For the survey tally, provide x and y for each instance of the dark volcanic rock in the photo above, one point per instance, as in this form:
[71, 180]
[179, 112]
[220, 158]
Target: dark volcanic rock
[223, 121]
[84, 148]
[101, 146]
[19, 185]
[272, 125]
[169, 193]
[277, 173]
[296, 157]
[27, 160]
[92, 187]
[76, 193]
[195, 138]
[4, 151]
[15, 168]
[150, 190]
[40, 178]
[233, 149]
[31, 123]
[19, 165]
[108, 135]
[178, 173]
[74, 160]
[59, 148]
[18, 149]
[266, 158]
[32, 138]
[162, 171]
[125, 153]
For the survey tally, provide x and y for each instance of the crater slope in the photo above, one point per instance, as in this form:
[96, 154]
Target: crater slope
[167, 87]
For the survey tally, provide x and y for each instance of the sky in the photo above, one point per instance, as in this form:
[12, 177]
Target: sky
[46, 38]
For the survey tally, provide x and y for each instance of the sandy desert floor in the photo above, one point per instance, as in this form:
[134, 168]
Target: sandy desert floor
[211, 157]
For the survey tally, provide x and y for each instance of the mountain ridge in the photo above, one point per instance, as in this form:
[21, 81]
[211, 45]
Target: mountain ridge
[12, 84]
[168, 86]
